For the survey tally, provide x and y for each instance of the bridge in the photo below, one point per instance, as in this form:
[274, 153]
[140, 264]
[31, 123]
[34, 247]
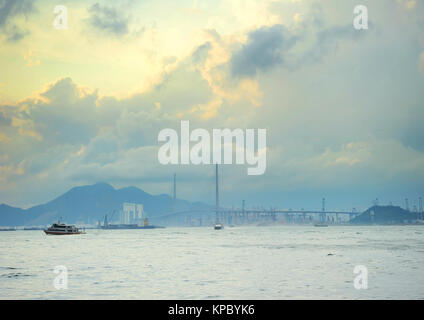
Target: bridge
[245, 216]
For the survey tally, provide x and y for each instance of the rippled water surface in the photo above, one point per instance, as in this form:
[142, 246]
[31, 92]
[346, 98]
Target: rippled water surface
[201, 263]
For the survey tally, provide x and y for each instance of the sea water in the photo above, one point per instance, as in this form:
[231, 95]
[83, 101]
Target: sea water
[273, 262]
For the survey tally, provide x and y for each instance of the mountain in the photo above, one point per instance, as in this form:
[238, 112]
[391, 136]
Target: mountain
[90, 203]
[384, 215]
[11, 216]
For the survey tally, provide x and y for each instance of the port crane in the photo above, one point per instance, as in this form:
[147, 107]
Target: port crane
[111, 217]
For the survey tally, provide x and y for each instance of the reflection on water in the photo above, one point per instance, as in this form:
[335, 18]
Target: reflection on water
[201, 263]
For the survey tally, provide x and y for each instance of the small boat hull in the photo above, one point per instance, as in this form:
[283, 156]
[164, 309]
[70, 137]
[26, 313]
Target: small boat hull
[59, 233]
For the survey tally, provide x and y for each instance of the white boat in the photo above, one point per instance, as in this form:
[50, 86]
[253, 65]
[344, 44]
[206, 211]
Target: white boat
[62, 229]
[219, 226]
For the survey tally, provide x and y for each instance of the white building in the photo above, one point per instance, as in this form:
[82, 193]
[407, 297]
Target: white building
[131, 213]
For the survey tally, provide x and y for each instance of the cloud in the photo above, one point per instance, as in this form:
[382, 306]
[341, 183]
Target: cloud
[66, 128]
[264, 49]
[4, 138]
[328, 41]
[408, 4]
[275, 46]
[12, 8]
[15, 34]
[230, 95]
[340, 114]
[108, 19]
[421, 61]
[65, 113]
[4, 121]
[9, 10]
[201, 53]
[359, 164]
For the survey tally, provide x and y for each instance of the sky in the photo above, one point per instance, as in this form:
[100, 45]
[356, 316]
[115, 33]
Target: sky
[343, 108]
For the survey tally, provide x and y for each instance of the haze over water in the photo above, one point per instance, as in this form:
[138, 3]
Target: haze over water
[279, 262]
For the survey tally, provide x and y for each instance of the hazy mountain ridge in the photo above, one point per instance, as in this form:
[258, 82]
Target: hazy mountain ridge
[89, 204]
[11, 216]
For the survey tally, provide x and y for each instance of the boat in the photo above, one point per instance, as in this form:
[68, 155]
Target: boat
[128, 226]
[62, 229]
[145, 225]
[219, 226]
[320, 225]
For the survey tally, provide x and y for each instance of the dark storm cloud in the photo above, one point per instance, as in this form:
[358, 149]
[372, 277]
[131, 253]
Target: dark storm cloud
[10, 9]
[108, 19]
[264, 49]
[15, 34]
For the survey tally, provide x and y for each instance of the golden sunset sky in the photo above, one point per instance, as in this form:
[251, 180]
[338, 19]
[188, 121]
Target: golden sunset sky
[343, 108]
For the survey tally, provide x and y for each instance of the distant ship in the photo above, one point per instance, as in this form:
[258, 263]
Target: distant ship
[145, 225]
[62, 229]
[320, 225]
